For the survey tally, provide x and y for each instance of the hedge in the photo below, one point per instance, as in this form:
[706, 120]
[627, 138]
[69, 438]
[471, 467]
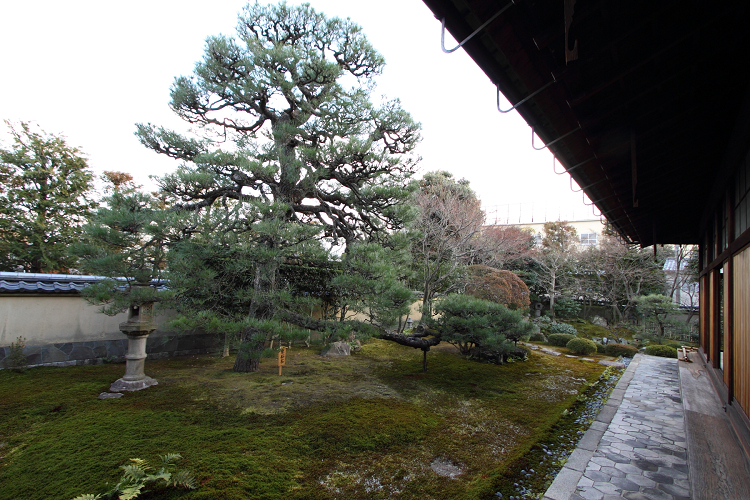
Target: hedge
[664, 351]
[560, 339]
[625, 350]
[537, 337]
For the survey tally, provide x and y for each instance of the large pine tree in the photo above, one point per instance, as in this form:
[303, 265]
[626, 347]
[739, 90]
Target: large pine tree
[287, 144]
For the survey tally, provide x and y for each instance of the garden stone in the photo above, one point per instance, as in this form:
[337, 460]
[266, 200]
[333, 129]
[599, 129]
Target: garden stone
[110, 395]
[598, 320]
[445, 468]
[615, 364]
[337, 349]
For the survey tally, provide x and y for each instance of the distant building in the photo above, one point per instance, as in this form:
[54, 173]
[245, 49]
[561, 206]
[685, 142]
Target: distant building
[589, 232]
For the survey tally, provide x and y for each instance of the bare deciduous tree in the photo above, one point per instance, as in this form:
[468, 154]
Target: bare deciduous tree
[448, 222]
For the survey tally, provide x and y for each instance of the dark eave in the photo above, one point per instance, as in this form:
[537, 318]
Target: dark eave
[665, 80]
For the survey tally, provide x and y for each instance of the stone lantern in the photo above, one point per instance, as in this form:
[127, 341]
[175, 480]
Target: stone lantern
[138, 327]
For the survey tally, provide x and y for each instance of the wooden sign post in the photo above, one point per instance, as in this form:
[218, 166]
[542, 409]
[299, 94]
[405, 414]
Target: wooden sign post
[282, 358]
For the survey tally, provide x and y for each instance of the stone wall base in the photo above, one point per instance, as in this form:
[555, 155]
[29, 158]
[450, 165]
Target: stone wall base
[112, 351]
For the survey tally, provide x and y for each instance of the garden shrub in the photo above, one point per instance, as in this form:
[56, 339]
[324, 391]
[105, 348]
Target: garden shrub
[625, 350]
[676, 345]
[664, 351]
[542, 320]
[560, 339]
[600, 348]
[538, 337]
[581, 346]
[16, 357]
[519, 353]
[555, 327]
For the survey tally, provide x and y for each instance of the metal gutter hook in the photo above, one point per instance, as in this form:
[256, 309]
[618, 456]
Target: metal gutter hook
[551, 143]
[584, 187]
[567, 171]
[442, 33]
[522, 100]
[555, 170]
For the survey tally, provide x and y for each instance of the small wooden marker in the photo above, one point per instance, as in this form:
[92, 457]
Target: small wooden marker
[282, 358]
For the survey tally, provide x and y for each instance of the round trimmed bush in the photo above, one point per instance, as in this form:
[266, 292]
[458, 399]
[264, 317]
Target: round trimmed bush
[600, 348]
[560, 339]
[537, 337]
[664, 351]
[625, 350]
[581, 346]
[562, 328]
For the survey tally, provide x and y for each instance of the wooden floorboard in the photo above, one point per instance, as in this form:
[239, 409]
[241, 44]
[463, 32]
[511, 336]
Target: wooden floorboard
[719, 468]
[717, 464]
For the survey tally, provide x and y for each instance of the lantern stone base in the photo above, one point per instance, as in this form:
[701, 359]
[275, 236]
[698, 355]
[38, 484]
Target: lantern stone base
[121, 384]
[135, 379]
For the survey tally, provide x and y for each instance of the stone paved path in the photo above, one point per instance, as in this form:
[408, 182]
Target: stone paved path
[637, 452]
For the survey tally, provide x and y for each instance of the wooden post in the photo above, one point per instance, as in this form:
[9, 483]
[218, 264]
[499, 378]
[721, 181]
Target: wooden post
[282, 358]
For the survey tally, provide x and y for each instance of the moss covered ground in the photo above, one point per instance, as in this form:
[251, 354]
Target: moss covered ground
[367, 426]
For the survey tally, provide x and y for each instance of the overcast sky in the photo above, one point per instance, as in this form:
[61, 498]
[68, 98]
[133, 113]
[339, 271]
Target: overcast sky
[91, 69]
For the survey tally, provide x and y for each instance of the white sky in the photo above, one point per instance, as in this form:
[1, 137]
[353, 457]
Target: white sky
[91, 69]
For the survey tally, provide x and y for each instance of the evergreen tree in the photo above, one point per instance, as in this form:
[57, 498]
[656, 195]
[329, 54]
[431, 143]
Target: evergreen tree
[45, 198]
[290, 147]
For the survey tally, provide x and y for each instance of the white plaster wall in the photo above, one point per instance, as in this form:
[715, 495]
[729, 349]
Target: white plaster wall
[57, 319]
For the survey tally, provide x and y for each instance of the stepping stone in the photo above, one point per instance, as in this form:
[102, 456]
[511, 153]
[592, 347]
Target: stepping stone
[611, 363]
[110, 395]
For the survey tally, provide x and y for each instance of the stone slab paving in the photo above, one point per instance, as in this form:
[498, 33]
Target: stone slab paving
[636, 449]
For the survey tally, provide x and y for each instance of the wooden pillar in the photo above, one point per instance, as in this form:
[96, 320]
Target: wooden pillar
[715, 318]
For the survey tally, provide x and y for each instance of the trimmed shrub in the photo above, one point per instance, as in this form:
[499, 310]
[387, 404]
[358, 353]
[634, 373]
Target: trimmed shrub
[581, 346]
[625, 350]
[562, 328]
[661, 350]
[676, 345]
[560, 339]
[538, 337]
[600, 348]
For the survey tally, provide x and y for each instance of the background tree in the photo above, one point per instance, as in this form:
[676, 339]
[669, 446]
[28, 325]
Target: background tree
[497, 285]
[559, 235]
[290, 139]
[506, 247]
[555, 260]
[449, 219]
[45, 198]
[626, 272]
[682, 277]
[656, 308]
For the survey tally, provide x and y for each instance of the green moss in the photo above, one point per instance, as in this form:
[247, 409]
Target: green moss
[366, 426]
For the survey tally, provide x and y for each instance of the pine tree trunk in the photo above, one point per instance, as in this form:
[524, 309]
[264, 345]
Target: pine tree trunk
[248, 354]
[246, 365]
